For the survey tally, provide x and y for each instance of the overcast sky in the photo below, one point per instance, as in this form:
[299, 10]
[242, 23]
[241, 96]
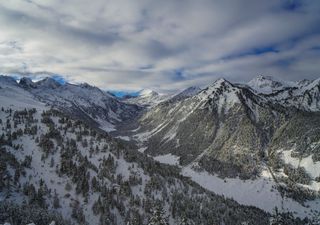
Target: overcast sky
[160, 44]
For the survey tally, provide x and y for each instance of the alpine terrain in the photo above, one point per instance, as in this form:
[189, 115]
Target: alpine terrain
[229, 153]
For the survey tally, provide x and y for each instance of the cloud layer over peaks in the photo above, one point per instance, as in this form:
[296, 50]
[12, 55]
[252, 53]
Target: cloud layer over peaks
[163, 45]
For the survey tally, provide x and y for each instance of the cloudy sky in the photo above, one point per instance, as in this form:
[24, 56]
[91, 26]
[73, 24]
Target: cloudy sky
[160, 44]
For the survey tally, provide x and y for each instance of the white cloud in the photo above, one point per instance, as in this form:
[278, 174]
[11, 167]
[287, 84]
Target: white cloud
[127, 45]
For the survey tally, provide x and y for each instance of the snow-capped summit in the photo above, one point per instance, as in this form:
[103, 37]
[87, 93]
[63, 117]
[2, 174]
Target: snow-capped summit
[267, 84]
[221, 94]
[87, 86]
[48, 82]
[220, 81]
[147, 93]
[219, 87]
[26, 82]
[148, 98]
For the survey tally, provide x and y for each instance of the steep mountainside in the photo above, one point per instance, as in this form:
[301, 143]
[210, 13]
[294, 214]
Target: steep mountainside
[223, 123]
[81, 101]
[232, 132]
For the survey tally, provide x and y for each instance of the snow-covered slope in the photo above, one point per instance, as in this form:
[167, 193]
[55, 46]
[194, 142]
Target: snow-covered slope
[13, 95]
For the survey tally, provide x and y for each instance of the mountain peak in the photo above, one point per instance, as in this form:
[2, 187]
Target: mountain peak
[26, 82]
[48, 82]
[266, 84]
[86, 85]
[268, 77]
[221, 82]
[147, 93]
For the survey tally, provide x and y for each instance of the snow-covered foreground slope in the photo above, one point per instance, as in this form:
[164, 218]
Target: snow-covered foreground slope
[261, 192]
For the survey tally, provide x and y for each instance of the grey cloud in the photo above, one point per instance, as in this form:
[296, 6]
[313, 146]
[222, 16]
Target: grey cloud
[128, 44]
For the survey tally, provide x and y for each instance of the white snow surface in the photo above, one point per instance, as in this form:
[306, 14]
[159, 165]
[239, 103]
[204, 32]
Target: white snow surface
[126, 138]
[313, 168]
[168, 159]
[260, 192]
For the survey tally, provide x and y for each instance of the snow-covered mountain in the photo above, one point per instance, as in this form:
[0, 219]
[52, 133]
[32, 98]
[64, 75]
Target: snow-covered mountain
[56, 168]
[304, 94]
[260, 148]
[194, 124]
[81, 101]
[147, 98]
[305, 97]
[268, 84]
[231, 131]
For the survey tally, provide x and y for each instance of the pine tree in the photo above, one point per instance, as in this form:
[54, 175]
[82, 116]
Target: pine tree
[158, 217]
[56, 202]
[184, 221]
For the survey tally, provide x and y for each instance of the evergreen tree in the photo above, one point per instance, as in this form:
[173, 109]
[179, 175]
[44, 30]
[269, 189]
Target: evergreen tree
[158, 217]
[56, 202]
